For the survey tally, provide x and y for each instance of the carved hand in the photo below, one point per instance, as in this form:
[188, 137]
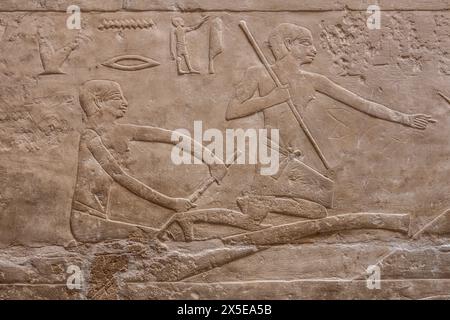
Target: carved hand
[281, 94]
[419, 121]
[218, 171]
[76, 43]
[181, 205]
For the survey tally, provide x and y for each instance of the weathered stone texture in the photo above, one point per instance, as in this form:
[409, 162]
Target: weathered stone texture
[94, 206]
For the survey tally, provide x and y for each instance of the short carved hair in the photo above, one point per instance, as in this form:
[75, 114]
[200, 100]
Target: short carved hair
[177, 21]
[93, 92]
[281, 33]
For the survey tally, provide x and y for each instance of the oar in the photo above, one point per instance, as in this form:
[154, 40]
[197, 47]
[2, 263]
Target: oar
[277, 81]
[210, 180]
[203, 187]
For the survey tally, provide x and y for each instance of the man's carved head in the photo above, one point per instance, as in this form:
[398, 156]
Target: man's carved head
[178, 22]
[288, 38]
[102, 96]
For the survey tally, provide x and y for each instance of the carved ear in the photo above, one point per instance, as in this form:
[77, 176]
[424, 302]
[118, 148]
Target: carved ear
[98, 103]
[288, 43]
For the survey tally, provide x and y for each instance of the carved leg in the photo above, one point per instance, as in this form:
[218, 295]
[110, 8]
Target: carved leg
[188, 64]
[186, 226]
[180, 71]
[298, 208]
[293, 232]
[258, 207]
[88, 228]
[211, 66]
[254, 207]
[186, 221]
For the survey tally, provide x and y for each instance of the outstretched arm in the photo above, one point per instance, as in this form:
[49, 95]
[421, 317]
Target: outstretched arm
[195, 27]
[110, 165]
[154, 134]
[324, 85]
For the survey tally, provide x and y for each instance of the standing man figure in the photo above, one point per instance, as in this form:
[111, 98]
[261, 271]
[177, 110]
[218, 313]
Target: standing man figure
[178, 45]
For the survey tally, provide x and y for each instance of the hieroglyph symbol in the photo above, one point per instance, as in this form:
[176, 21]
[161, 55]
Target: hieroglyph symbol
[52, 59]
[124, 63]
[178, 45]
[126, 24]
[215, 41]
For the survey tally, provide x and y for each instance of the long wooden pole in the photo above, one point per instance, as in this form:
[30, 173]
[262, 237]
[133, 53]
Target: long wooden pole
[277, 81]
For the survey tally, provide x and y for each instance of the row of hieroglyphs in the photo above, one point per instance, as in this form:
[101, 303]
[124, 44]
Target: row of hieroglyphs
[52, 59]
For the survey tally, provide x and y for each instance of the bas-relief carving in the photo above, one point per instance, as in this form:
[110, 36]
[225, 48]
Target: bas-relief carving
[302, 191]
[297, 191]
[53, 58]
[103, 103]
[140, 62]
[178, 44]
[215, 42]
[126, 24]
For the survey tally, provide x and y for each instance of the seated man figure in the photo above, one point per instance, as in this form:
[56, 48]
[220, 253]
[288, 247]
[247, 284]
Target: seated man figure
[293, 48]
[99, 167]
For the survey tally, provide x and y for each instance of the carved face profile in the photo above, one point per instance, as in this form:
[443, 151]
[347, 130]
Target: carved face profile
[290, 39]
[103, 98]
[301, 49]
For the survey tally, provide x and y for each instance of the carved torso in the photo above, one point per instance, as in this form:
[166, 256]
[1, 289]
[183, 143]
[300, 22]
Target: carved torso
[280, 116]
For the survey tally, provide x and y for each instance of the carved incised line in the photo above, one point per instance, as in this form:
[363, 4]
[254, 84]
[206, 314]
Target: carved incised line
[444, 97]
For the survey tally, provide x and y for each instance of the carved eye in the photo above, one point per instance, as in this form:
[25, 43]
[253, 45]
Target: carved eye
[130, 63]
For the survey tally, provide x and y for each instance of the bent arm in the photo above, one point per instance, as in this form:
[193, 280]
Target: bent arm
[195, 27]
[110, 165]
[324, 85]
[244, 104]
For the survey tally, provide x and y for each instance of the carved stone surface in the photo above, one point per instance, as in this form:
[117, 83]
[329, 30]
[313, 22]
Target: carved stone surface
[93, 204]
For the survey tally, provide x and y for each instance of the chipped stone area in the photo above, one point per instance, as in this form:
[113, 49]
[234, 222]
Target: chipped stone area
[138, 269]
[93, 205]
[413, 42]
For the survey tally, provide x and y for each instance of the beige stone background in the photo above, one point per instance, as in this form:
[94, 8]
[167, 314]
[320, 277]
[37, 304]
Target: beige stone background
[380, 167]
